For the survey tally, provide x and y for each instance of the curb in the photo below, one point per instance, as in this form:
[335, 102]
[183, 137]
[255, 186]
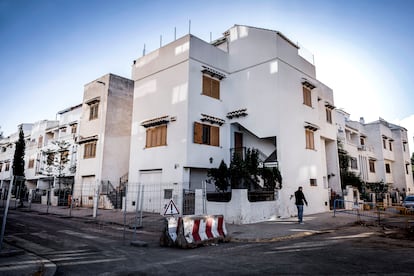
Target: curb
[281, 238]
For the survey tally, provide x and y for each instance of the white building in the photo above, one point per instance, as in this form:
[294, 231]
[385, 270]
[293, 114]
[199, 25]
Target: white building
[7, 148]
[104, 136]
[194, 102]
[378, 150]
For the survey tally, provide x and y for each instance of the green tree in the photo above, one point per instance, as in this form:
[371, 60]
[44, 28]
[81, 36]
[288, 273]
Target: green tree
[220, 176]
[18, 166]
[347, 177]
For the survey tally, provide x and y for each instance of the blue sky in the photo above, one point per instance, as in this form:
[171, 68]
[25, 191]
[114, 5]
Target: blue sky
[50, 48]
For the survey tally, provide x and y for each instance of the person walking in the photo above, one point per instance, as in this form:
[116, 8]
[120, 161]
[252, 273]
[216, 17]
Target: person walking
[299, 200]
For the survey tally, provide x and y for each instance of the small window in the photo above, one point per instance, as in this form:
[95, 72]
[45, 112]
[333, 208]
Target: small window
[89, 150]
[329, 115]
[156, 136]
[168, 193]
[372, 166]
[63, 129]
[1, 166]
[40, 142]
[407, 166]
[354, 163]
[211, 87]
[404, 146]
[387, 168]
[390, 144]
[307, 96]
[73, 128]
[362, 141]
[313, 182]
[7, 167]
[31, 163]
[93, 111]
[206, 134]
[310, 140]
[64, 156]
[384, 143]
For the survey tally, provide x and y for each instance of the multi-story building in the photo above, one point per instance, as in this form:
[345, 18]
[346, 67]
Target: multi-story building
[196, 102]
[378, 151]
[104, 136]
[7, 148]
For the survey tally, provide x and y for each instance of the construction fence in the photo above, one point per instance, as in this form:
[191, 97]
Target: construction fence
[392, 215]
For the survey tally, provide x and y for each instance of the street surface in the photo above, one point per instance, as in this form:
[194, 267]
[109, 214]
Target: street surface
[70, 246]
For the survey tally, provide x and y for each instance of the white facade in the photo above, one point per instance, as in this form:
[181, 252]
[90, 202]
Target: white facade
[104, 135]
[261, 100]
[379, 151]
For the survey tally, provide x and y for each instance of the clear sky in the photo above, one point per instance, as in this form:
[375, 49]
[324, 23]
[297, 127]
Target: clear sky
[363, 49]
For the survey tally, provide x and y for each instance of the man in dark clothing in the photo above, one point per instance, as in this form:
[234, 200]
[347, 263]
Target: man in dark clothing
[299, 200]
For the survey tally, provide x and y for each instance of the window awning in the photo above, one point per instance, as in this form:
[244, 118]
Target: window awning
[307, 84]
[156, 121]
[329, 105]
[83, 140]
[311, 126]
[237, 113]
[93, 100]
[212, 120]
[213, 73]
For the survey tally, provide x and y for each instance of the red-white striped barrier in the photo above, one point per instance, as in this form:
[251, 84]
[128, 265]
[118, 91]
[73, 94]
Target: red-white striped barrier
[202, 229]
[191, 231]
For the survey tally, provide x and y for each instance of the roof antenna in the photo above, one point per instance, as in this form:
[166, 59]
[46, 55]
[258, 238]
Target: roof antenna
[143, 51]
[160, 41]
[189, 26]
[210, 37]
[175, 33]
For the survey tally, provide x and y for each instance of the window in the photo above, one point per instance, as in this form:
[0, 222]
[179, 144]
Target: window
[390, 144]
[31, 163]
[362, 141]
[407, 165]
[64, 156]
[156, 136]
[93, 110]
[384, 143]
[1, 166]
[387, 168]
[40, 142]
[310, 140]
[89, 150]
[313, 182]
[63, 130]
[329, 115]
[307, 96]
[211, 87]
[50, 158]
[354, 163]
[372, 166]
[73, 128]
[206, 134]
[404, 146]
[168, 193]
[7, 167]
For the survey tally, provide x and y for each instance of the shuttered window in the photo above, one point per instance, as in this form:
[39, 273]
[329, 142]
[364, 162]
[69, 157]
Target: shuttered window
[310, 140]
[211, 87]
[307, 96]
[93, 110]
[156, 136]
[89, 150]
[206, 134]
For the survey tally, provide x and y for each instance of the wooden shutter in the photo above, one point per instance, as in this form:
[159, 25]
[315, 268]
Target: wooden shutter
[198, 133]
[215, 88]
[214, 136]
[163, 130]
[206, 86]
[148, 138]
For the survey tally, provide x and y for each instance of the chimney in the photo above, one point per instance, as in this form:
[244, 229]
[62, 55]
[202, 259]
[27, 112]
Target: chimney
[362, 120]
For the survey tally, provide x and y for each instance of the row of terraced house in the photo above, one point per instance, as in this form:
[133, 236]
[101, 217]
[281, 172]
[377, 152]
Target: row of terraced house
[189, 105]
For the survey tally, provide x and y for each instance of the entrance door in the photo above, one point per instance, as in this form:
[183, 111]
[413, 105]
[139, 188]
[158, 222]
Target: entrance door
[238, 144]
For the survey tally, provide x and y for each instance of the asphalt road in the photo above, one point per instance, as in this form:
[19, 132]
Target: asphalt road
[70, 246]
